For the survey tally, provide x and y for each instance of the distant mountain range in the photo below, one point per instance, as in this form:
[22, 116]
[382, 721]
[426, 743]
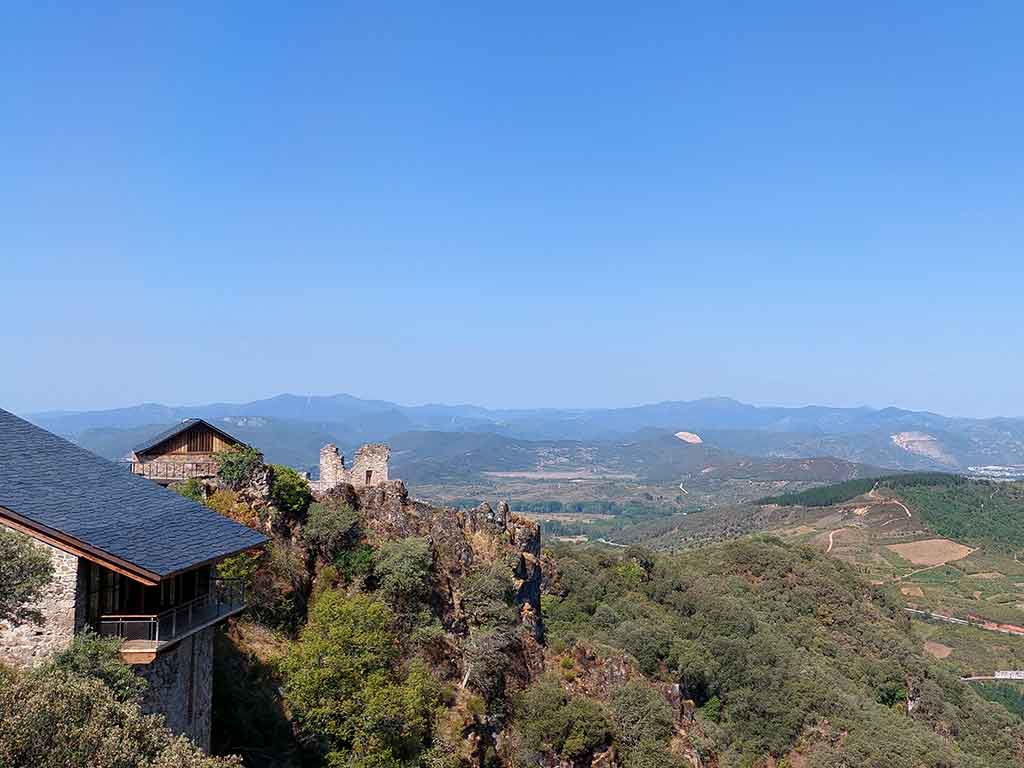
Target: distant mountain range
[291, 429]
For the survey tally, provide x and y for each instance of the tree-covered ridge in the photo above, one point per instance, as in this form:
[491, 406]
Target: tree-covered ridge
[782, 649]
[837, 493]
[976, 512]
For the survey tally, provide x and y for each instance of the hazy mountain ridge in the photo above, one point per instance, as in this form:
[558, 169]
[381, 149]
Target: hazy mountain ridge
[858, 435]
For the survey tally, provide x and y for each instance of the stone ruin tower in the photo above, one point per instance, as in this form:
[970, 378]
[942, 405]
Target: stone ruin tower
[370, 467]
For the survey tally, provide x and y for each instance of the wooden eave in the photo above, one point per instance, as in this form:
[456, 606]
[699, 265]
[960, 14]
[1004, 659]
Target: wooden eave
[71, 545]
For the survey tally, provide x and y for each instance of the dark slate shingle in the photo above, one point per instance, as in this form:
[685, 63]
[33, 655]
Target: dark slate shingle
[53, 482]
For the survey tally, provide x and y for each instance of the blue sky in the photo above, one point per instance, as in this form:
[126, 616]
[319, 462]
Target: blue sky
[591, 204]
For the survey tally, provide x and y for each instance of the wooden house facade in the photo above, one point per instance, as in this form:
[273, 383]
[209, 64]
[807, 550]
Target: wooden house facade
[183, 452]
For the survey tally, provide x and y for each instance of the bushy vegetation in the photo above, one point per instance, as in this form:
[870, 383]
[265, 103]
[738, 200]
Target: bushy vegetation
[289, 491]
[550, 721]
[82, 709]
[347, 684]
[191, 489]
[779, 645]
[97, 657]
[331, 530]
[25, 570]
[236, 466]
[1010, 695]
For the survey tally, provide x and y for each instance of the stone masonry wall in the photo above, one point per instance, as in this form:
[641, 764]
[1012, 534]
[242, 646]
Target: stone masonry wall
[29, 644]
[332, 466]
[181, 687]
[373, 458]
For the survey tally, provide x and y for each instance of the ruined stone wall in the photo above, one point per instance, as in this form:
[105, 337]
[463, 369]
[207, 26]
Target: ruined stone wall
[370, 467]
[332, 466]
[30, 644]
[371, 463]
[181, 687]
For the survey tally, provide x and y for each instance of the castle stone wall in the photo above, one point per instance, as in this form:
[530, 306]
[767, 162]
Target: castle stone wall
[30, 644]
[371, 466]
[181, 687]
[332, 466]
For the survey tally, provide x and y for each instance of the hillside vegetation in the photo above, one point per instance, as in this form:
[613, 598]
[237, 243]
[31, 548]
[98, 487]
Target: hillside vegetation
[972, 511]
[784, 651]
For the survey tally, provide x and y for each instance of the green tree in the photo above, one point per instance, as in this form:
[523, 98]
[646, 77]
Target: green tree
[90, 655]
[236, 466]
[549, 720]
[55, 718]
[403, 570]
[25, 570]
[289, 491]
[345, 685]
[643, 724]
[331, 530]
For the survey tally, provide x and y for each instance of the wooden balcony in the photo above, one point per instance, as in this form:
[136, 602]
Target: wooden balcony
[146, 635]
[174, 471]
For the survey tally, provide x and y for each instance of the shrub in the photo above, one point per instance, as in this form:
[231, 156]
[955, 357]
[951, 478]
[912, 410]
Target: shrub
[549, 720]
[90, 655]
[289, 491]
[236, 466]
[25, 570]
[55, 718]
[280, 585]
[487, 596]
[329, 531]
[642, 717]
[191, 489]
[356, 562]
[403, 570]
[344, 684]
[227, 503]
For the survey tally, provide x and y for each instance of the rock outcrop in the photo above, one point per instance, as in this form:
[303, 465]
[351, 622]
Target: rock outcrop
[461, 540]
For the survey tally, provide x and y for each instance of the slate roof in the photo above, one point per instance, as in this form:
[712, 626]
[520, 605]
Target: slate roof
[54, 483]
[178, 429]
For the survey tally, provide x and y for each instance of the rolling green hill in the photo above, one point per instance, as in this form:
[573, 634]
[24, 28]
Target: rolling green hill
[787, 651]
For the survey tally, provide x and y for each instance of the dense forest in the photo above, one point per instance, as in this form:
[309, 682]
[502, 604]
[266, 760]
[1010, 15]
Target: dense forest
[976, 512]
[827, 495]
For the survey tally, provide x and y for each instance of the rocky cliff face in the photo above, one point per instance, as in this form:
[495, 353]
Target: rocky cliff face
[461, 539]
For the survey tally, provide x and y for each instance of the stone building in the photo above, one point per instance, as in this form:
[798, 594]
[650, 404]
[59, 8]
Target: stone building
[370, 467]
[183, 452]
[131, 560]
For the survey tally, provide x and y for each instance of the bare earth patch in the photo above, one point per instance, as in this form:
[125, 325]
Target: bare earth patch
[912, 591]
[938, 650]
[689, 437]
[931, 551]
[923, 444]
[987, 575]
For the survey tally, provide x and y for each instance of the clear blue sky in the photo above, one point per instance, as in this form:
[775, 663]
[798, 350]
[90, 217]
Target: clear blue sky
[559, 204]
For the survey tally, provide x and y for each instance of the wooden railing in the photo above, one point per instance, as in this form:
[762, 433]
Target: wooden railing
[174, 470]
[226, 596]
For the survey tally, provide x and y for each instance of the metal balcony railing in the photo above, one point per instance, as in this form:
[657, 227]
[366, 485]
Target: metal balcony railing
[226, 597]
[174, 470]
